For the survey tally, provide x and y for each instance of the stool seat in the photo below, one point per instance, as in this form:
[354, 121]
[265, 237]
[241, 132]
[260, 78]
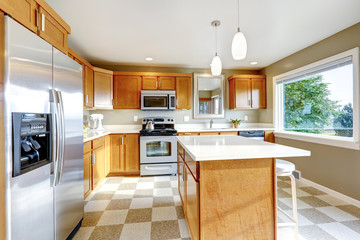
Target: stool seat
[283, 166]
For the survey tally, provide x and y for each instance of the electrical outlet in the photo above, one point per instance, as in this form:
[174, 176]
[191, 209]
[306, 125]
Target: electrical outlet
[246, 118]
[186, 118]
[135, 118]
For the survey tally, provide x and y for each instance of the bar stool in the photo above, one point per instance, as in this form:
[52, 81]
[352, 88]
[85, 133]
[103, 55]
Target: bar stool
[285, 168]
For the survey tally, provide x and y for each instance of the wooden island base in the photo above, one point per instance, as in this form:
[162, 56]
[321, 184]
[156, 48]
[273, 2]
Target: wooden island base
[228, 199]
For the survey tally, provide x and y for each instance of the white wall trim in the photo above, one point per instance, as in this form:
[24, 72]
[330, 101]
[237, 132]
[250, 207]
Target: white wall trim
[332, 141]
[332, 192]
[342, 142]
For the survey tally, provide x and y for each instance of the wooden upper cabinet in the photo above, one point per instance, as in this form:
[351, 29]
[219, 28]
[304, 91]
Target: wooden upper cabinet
[258, 93]
[88, 87]
[52, 31]
[149, 83]
[132, 156]
[103, 89]
[247, 92]
[158, 83]
[24, 11]
[183, 92]
[127, 92]
[166, 83]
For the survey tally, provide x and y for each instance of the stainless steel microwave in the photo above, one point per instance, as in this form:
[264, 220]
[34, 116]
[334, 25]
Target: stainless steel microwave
[158, 100]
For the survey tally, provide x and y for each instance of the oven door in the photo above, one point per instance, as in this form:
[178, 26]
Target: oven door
[158, 149]
[154, 102]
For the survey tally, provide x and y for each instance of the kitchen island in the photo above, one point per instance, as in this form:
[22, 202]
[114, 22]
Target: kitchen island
[227, 186]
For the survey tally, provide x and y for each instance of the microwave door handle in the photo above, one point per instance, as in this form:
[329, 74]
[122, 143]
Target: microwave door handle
[55, 131]
[62, 136]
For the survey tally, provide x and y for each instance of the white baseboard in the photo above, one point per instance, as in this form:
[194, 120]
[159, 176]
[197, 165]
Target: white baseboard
[332, 192]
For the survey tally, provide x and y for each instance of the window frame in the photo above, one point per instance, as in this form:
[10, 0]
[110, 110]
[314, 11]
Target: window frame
[345, 142]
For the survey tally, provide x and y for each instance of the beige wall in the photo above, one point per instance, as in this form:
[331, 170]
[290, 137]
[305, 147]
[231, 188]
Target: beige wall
[114, 117]
[335, 168]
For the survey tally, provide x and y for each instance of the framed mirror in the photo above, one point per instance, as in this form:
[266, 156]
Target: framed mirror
[208, 96]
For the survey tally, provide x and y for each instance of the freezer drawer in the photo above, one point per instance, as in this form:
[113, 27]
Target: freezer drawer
[158, 169]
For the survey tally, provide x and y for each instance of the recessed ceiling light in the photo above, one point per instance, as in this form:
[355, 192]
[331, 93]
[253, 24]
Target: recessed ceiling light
[149, 59]
[254, 63]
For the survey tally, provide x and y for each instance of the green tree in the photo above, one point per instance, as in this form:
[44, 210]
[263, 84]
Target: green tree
[343, 123]
[308, 107]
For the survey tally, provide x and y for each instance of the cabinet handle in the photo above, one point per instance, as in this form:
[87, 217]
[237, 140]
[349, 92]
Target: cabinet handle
[85, 144]
[159, 84]
[112, 102]
[37, 17]
[86, 99]
[122, 141]
[187, 133]
[249, 102]
[43, 22]
[183, 173]
[156, 84]
[93, 159]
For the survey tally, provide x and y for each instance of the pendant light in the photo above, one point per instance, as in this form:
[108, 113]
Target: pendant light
[239, 45]
[216, 65]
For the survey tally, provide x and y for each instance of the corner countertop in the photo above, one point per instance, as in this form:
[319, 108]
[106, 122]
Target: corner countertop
[205, 148]
[217, 127]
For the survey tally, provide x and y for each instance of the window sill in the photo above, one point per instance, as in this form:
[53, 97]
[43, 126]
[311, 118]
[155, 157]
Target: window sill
[319, 139]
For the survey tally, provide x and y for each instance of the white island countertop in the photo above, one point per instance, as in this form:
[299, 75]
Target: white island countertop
[207, 148]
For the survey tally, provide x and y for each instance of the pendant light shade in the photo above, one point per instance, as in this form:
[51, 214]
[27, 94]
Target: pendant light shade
[239, 46]
[216, 66]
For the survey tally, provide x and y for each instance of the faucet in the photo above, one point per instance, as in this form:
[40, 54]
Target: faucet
[211, 123]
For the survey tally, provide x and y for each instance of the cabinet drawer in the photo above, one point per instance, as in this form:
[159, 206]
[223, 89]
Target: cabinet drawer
[229, 133]
[193, 166]
[52, 31]
[87, 147]
[188, 133]
[209, 133]
[98, 142]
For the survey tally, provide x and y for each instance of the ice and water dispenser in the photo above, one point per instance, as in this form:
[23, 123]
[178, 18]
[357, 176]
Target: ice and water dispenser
[31, 141]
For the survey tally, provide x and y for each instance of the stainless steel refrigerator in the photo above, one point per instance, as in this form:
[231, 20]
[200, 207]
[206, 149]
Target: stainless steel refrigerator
[43, 131]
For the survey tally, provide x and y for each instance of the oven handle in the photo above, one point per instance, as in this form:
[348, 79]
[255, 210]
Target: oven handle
[158, 168]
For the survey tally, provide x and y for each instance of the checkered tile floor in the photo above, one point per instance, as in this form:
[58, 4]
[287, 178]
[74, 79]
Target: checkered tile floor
[128, 208]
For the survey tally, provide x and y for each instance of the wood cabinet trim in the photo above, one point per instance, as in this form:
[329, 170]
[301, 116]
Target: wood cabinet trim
[96, 69]
[244, 76]
[74, 54]
[155, 74]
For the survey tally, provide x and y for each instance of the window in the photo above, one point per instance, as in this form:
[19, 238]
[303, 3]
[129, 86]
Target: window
[320, 99]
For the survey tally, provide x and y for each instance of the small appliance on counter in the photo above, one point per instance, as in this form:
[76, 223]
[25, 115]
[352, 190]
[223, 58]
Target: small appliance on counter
[96, 122]
[158, 146]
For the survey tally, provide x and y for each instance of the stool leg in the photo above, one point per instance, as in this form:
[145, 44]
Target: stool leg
[294, 204]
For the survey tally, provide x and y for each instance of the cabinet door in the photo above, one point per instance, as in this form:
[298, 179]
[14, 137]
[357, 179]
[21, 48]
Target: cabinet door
[107, 155]
[258, 93]
[24, 11]
[127, 92]
[87, 174]
[149, 83]
[209, 133]
[117, 153]
[88, 82]
[181, 181]
[103, 90]
[132, 155]
[52, 32]
[183, 93]
[269, 136]
[192, 205]
[166, 83]
[229, 133]
[242, 93]
[98, 166]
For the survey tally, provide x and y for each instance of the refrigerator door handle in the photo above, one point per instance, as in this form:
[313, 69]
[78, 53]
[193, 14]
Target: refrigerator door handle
[62, 136]
[55, 131]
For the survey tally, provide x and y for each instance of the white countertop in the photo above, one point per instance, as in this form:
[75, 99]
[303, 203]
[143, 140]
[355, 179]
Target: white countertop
[218, 127]
[205, 148]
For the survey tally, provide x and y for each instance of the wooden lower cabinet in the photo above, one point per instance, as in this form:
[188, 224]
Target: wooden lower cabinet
[87, 172]
[98, 166]
[208, 133]
[192, 205]
[107, 155]
[181, 179]
[124, 154]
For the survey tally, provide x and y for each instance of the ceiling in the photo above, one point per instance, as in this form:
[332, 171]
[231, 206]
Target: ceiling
[177, 33]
